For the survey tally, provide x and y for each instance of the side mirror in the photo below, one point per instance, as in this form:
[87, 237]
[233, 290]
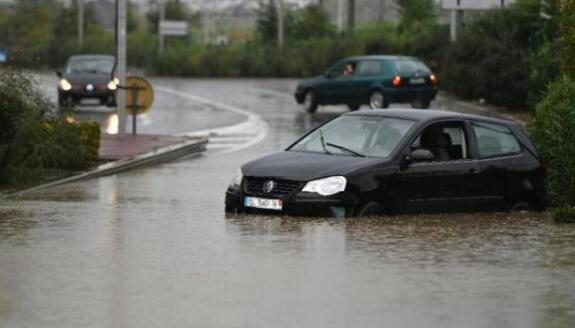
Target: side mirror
[59, 73]
[422, 155]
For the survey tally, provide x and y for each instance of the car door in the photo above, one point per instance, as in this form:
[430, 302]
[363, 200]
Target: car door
[334, 89]
[367, 73]
[447, 183]
[503, 169]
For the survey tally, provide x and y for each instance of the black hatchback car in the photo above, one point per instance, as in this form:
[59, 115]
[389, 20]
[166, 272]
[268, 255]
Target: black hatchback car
[396, 161]
[88, 77]
[373, 80]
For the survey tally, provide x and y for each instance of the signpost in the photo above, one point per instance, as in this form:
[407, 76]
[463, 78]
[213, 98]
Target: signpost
[139, 98]
[457, 8]
[171, 28]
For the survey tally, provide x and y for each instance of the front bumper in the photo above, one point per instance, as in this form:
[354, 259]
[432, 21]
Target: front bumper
[298, 204]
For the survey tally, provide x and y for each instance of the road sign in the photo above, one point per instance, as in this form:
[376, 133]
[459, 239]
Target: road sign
[474, 4]
[168, 27]
[139, 95]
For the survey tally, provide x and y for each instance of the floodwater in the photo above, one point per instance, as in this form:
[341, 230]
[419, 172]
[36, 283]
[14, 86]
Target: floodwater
[153, 248]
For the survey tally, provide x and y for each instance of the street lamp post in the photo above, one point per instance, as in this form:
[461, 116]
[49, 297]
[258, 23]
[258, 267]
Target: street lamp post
[80, 23]
[121, 66]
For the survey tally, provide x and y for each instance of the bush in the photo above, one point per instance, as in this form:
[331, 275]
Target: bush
[33, 139]
[553, 133]
[563, 214]
[490, 59]
[90, 138]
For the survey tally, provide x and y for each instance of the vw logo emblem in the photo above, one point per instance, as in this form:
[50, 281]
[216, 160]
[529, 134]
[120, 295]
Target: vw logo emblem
[90, 87]
[269, 186]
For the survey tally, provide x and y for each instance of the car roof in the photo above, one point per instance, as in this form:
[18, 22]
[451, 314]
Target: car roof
[423, 115]
[393, 57]
[92, 57]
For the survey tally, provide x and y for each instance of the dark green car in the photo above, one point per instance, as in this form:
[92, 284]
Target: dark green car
[376, 81]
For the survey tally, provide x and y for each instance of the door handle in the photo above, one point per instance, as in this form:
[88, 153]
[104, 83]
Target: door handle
[473, 170]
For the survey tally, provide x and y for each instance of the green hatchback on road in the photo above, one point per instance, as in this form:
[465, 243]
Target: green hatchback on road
[376, 81]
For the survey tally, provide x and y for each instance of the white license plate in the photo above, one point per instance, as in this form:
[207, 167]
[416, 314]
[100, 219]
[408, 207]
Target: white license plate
[263, 203]
[90, 101]
[417, 80]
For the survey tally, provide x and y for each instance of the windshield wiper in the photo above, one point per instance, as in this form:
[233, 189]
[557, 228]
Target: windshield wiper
[322, 140]
[345, 149]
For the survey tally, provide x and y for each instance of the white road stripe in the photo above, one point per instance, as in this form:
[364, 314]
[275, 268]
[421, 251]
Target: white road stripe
[238, 136]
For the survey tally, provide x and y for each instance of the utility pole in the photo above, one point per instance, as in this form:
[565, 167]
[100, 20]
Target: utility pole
[350, 16]
[162, 16]
[280, 21]
[121, 65]
[80, 23]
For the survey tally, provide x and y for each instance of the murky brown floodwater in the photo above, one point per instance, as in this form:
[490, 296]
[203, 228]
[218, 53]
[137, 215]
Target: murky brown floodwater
[153, 248]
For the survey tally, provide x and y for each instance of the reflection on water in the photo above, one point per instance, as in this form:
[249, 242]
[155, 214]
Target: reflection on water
[112, 124]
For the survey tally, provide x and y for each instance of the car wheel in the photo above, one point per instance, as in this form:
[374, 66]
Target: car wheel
[370, 209]
[521, 207]
[377, 100]
[310, 102]
[353, 108]
[421, 104]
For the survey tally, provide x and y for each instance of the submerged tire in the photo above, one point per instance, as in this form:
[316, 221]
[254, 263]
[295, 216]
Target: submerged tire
[370, 209]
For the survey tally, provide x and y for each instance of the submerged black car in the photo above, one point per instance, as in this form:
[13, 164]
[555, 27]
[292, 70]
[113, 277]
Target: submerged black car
[373, 80]
[88, 79]
[396, 161]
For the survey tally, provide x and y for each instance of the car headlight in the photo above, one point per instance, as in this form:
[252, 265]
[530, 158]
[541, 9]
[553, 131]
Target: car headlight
[237, 179]
[64, 85]
[112, 85]
[327, 186]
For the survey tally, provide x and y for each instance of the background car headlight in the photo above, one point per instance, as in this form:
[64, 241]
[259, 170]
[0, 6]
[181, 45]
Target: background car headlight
[237, 179]
[326, 186]
[112, 85]
[65, 85]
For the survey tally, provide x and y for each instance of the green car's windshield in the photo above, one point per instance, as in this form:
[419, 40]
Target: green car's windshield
[410, 66]
[90, 65]
[356, 135]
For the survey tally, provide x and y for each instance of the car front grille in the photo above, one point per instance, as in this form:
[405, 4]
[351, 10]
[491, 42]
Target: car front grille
[282, 187]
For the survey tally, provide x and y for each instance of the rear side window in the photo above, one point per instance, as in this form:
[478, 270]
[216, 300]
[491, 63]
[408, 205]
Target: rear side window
[410, 66]
[369, 67]
[495, 140]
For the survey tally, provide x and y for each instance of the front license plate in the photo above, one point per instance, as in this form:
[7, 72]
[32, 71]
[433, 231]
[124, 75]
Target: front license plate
[417, 80]
[90, 101]
[263, 203]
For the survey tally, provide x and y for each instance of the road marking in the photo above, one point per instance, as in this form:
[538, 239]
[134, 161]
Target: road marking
[231, 138]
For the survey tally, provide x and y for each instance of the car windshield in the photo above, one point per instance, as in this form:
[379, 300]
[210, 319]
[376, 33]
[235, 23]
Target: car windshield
[90, 65]
[356, 135]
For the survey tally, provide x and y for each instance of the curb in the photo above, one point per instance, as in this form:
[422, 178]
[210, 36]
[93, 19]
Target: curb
[192, 147]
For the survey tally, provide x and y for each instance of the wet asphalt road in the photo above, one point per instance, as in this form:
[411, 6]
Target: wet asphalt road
[153, 247]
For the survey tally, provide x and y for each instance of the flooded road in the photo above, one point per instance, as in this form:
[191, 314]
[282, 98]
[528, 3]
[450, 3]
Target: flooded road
[154, 248]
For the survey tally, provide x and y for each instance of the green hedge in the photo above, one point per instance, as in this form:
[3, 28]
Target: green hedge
[553, 132]
[33, 139]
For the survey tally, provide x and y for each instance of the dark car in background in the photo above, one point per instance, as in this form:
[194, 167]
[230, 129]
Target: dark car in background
[376, 81]
[88, 80]
[395, 161]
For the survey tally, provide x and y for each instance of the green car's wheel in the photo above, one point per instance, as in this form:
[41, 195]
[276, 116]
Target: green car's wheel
[377, 100]
[310, 102]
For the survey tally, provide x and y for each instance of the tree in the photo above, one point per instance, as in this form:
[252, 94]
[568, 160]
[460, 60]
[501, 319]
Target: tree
[267, 22]
[416, 11]
[313, 22]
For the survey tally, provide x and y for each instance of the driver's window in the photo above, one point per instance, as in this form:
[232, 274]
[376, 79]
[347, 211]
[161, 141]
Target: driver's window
[446, 141]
